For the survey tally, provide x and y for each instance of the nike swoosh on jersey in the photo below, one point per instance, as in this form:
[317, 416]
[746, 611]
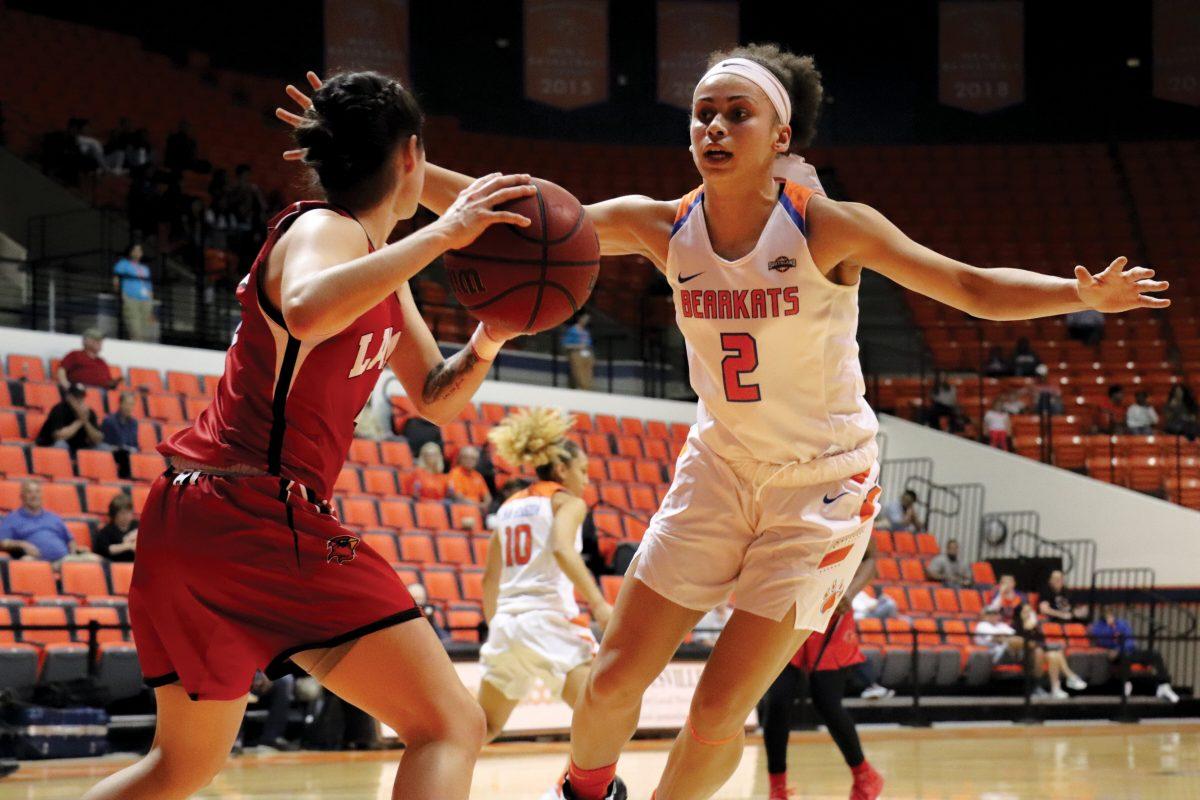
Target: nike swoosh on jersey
[829, 499]
[685, 279]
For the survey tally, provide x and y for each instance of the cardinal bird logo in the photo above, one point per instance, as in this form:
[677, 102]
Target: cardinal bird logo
[340, 549]
[832, 595]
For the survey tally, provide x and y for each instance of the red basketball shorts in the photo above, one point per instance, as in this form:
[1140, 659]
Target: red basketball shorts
[236, 574]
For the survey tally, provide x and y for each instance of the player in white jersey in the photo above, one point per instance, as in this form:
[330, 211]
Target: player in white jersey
[775, 491]
[535, 629]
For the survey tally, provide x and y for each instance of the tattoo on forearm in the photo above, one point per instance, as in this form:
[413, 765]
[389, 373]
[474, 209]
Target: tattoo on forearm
[448, 377]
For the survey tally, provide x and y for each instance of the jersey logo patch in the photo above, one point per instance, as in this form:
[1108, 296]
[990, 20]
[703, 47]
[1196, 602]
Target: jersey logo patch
[341, 549]
[686, 278]
[832, 595]
[781, 264]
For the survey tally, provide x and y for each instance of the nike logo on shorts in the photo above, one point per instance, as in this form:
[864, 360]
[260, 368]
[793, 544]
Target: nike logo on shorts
[686, 278]
[829, 499]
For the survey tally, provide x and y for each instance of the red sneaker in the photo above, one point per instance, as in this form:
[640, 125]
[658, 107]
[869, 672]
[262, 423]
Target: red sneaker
[779, 788]
[868, 784]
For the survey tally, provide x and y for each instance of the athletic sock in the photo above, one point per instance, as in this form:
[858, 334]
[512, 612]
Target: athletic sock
[778, 782]
[591, 784]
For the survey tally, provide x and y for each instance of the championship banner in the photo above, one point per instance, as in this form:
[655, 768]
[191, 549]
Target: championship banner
[566, 52]
[1177, 51]
[367, 35]
[664, 706]
[981, 54]
[688, 32]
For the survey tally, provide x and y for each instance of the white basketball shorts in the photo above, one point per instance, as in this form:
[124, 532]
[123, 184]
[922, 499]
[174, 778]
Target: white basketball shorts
[521, 648]
[745, 532]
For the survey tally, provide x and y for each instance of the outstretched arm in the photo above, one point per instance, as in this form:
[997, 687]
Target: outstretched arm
[858, 234]
[569, 513]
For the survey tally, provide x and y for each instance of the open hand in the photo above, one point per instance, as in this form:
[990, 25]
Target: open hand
[475, 207]
[294, 119]
[1116, 289]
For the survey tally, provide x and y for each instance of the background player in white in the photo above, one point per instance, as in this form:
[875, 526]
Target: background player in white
[748, 507]
[535, 629]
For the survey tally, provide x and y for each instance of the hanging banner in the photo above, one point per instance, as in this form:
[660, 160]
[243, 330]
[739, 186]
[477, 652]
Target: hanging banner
[981, 54]
[1177, 51]
[367, 35]
[566, 52]
[688, 32]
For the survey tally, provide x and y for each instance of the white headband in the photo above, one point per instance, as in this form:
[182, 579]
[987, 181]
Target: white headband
[761, 77]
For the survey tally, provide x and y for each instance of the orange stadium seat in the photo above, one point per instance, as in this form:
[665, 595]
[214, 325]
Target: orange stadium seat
[466, 517]
[441, 584]
[42, 396]
[364, 452]
[98, 496]
[620, 469]
[96, 465]
[384, 544]
[121, 573]
[397, 514]
[432, 515]
[106, 616]
[472, 584]
[348, 482]
[480, 543]
[10, 424]
[27, 368]
[32, 578]
[13, 463]
[912, 569]
[184, 383]
[904, 543]
[379, 481]
[146, 467]
[84, 578]
[983, 574]
[453, 548]
[81, 534]
[51, 462]
[396, 454]
[360, 512]
[887, 569]
[417, 547]
[146, 379]
[62, 498]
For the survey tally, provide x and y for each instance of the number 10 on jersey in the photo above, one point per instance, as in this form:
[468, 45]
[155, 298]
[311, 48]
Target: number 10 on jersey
[741, 358]
[518, 545]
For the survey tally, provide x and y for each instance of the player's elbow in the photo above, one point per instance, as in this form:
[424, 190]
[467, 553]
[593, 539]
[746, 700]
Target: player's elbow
[976, 294]
[301, 316]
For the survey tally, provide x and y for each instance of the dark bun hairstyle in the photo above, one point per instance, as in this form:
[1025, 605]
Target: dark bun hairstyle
[798, 74]
[351, 132]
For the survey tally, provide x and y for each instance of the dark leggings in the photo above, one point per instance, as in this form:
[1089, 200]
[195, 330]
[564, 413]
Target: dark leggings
[828, 687]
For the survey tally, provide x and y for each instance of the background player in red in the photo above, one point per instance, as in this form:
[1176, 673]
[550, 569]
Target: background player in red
[242, 563]
[827, 658]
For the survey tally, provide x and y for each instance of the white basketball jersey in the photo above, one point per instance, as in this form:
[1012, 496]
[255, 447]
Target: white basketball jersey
[531, 579]
[772, 346]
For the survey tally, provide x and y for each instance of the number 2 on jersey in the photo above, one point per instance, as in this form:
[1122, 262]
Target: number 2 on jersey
[741, 358]
[518, 545]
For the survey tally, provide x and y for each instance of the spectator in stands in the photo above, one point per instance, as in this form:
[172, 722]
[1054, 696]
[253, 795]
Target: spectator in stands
[86, 366]
[996, 365]
[577, 341]
[1116, 636]
[34, 532]
[367, 424]
[464, 482]
[1181, 413]
[277, 695]
[429, 478]
[1140, 417]
[432, 613]
[1029, 627]
[900, 515]
[948, 568]
[132, 279]
[945, 406]
[1086, 326]
[996, 635]
[71, 423]
[1025, 360]
[864, 606]
[1006, 599]
[1055, 601]
[120, 431]
[89, 146]
[1012, 402]
[1044, 394]
[117, 541]
[181, 150]
[997, 424]
[1110, 412]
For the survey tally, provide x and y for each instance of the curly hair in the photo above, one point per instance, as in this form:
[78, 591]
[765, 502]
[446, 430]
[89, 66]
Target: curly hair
[798, 74]
[535, 437]
[351, 131]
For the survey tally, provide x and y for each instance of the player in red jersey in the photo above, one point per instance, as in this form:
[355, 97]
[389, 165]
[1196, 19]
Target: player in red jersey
[242, 562]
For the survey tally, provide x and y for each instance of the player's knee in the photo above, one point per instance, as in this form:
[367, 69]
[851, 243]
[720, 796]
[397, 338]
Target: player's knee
[459, 719]
[613, 684]
[715, 718]
[183, 775]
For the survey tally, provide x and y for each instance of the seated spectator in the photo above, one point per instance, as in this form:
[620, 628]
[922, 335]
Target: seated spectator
[577, 341]
[368, 425]
[1181, 413]
[996, 365]
[429, 473]
[997, 424]
[1116, 636]
[464, 482]
[1110, 414]
[1045, 396]
[1086, 326]
[86, 366]
[89, 146]
[1025, 361]
[1055, 602]
[71, 424]
[277, 695]
[900, 515]
[708, 629]
[1006, 599]
[132, 279]
[1029, 627]
[117, 541]
[947, 568]
[1140, 417]
[996, 635]
[432, 613]
[944, 405]
[34, 532]
[866, 607]
[120, 431]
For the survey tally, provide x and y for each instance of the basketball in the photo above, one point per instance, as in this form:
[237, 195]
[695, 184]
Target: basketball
[529, 279]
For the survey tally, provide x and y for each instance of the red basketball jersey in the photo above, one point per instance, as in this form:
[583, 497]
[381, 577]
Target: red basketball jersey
[284, 405]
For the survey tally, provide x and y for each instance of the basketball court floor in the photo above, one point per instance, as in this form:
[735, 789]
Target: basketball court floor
[1150, 761]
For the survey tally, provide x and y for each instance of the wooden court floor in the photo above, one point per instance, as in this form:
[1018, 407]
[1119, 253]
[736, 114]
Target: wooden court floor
[1150, 761]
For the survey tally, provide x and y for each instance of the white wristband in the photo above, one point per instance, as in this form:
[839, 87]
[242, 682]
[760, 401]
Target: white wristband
[486, 348]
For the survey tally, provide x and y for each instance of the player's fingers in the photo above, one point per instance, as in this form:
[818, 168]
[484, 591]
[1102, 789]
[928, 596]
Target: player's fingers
[1117, 265]
[474, 191]
[1153, 286]
[499, 181]
[295, 155]
[300, 98]
[509, 218]
[1084, 277]
[1153, 302]
[511, 193]
[313, 80]
[289, 117]
[1139, 273]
